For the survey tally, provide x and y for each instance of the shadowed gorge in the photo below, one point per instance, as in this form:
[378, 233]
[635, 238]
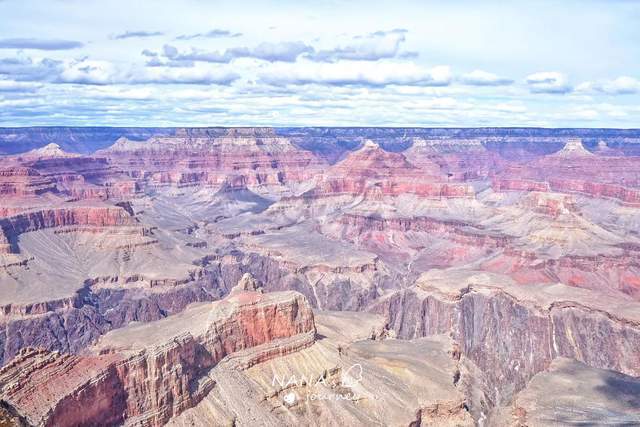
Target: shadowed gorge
[319, 276]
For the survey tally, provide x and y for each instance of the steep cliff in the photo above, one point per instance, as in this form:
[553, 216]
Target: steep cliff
[511, 332]
[147, 373]
[91, 216]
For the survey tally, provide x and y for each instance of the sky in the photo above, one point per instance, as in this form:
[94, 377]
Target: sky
[320, 63]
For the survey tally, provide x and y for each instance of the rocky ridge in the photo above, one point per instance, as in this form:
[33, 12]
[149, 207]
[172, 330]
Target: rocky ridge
[520, 250]
[145, 374]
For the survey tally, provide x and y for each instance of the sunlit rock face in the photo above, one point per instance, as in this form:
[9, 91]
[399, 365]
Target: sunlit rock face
[153, 371]
[511, 256]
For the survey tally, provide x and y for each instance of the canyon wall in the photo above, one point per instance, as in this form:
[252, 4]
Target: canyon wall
[509, 338]
[144, 378]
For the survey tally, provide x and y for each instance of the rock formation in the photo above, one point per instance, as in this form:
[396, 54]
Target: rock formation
[193, 256]
[145, 374]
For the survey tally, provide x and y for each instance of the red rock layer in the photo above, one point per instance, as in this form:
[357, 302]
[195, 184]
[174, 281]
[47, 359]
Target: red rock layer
[457, 231]
[575, 170]
[241, 159]
[21, 181]
[94, 216]
[459, 160]
[158, 381]
[77, 177]
[375, 172]
[591, 189]
[602, 272]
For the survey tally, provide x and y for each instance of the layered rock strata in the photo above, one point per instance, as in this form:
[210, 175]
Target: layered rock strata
[90, 216]
[145, 374]
[511, 332]
[354, 374]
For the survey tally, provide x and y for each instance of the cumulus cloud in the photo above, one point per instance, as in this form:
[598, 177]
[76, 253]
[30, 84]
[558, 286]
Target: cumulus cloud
[39, 44]
[372, 47]
[137, 34]
[26, 69]
[356, 73]
[484, 78]
[87, 72]
[548, 82]
[172, 56]
[213, 34]
[97, 72]
[623, 85]
[272, 52]
[285, 51]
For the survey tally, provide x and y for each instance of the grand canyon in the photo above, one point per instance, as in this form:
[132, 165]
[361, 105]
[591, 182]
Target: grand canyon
[319, 276]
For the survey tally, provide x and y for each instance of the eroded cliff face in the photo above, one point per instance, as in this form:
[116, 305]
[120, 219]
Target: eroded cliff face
[374, 172]
[145, 374]
[233, 159]
[92, 216]
[511, 335]
[107, 303]
[350, 218]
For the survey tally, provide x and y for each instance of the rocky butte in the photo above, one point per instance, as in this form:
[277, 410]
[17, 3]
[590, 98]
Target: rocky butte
[319, 276]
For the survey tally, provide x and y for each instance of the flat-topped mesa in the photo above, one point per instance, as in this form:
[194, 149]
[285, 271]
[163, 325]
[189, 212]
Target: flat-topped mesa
[190, 159]
[375, 172]
[144, 374]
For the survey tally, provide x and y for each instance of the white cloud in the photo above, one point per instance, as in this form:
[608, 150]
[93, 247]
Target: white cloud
[282, 51]
[548, 82]
[623, 85]
[137, 34]
[13, 86]
[194, 75]
[100, 72]
[211, 34]
[356, 73]
[484, 78]
[88, 72]
[372, 47]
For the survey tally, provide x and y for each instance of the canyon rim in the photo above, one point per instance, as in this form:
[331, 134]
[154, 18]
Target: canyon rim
[326, 213]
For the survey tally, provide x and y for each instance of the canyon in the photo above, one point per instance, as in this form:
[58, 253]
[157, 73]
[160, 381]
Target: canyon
[319, 276]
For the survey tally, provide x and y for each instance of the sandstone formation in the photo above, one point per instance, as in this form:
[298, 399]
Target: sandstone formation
[500, 326]
[350, 376]
[371, 171]
[574, 169]
[499, 252]
[145, 374]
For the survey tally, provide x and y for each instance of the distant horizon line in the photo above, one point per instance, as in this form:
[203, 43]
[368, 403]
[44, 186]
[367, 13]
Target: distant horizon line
[313, 127]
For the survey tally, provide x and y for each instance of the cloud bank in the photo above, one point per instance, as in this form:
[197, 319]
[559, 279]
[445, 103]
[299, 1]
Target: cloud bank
[39, 44]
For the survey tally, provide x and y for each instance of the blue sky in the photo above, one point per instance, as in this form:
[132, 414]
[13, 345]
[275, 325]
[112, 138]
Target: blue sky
[320, 62]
